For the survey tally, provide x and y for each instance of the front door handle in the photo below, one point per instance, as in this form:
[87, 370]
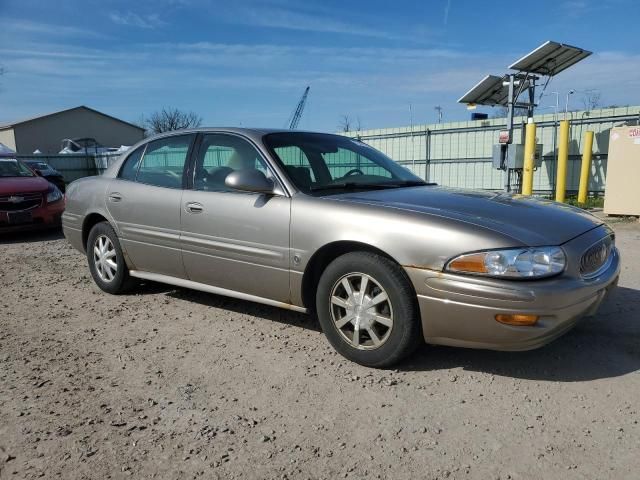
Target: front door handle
[194, 207]
[115, 197]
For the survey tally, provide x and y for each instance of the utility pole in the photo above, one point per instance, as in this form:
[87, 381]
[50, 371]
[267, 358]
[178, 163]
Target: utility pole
[438, 109]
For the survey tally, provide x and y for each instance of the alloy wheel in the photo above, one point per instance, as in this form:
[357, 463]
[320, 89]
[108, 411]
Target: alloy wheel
[361, 311]
[104, 258]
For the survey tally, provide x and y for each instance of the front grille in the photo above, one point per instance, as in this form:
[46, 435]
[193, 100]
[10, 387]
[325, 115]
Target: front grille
[20, 201]
[597, 257]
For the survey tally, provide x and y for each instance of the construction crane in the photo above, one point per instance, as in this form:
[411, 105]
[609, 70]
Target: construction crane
[297, 114]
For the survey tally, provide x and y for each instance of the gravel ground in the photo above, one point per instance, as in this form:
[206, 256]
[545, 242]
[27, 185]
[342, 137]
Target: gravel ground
[171, 383]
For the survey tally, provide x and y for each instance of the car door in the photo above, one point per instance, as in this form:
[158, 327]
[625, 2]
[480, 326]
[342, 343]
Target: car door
[230, 239]
[145, 202]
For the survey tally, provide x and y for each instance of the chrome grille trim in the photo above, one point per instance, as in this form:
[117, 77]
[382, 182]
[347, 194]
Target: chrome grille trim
[28, 201]
[597, 258]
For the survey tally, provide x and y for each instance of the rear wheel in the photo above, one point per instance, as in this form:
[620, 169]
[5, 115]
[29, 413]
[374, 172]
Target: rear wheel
[106, 260]
[367, 309]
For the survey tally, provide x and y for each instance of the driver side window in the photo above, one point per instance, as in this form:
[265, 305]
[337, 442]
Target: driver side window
[345, 162]
[297, 165]
[220, 155]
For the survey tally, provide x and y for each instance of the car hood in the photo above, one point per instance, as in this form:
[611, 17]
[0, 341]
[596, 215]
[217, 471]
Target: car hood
[529, 220]
[10, 185]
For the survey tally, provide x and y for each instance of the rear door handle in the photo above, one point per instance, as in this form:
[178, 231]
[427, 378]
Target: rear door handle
[194, 207]
[115, 197]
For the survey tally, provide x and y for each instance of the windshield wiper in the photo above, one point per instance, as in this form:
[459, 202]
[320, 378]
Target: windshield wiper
[349, 186]
[412, 183]
[368, 186]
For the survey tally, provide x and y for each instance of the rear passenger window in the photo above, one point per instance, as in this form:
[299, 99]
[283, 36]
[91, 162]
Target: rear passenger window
[131, 164]
[164, 161]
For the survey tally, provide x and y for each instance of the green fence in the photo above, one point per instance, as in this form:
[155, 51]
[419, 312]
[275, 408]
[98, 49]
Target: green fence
[74, 166]
[458, 154]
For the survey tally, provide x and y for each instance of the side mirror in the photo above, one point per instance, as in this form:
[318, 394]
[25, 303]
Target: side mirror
[250, 180]
[37, 172]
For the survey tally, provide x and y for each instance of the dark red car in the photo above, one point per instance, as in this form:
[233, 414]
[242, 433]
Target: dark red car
[27, 201]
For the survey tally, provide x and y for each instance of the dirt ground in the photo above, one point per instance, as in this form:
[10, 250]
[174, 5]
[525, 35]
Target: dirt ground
[171, 383]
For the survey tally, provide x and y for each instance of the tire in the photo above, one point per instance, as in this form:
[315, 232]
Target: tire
[388, 295]
[110, 280]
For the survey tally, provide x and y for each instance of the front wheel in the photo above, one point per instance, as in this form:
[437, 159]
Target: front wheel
[106, 260]
[367, 309]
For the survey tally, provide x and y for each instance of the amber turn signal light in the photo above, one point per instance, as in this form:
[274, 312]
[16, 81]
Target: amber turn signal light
[517, 319]
[473, 263]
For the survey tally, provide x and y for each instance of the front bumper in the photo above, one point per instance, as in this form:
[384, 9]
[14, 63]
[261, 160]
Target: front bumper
[47, 216]
[460, 310]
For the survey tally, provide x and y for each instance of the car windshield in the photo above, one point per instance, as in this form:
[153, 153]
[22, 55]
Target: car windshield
[39, 165]
[322, 164]
[14, 168]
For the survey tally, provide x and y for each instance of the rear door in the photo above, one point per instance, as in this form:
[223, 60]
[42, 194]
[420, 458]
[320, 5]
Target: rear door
[231, 239]
[145, 202]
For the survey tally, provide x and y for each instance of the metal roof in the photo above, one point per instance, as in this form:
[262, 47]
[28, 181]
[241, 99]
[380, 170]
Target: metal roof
[4, 126]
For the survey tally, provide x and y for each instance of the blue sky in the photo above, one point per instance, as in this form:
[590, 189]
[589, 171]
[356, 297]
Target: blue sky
[247, 62]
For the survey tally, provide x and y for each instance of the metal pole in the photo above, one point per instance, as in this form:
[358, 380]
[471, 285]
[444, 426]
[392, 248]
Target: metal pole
[507, 173]
[585, 168]
[563, 160]
[566, 103]
[427, 160]
[529, 154]
[555, 138]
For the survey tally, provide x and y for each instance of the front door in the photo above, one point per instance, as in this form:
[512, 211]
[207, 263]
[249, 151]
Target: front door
[230, 239]
[145, 202]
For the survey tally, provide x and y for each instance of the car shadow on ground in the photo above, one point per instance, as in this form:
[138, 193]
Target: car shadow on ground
[604, 346]
[248, 308]
[31, 236]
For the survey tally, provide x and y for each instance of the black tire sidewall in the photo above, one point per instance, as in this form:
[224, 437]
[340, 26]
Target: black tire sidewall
[120, 282]
[407, 331]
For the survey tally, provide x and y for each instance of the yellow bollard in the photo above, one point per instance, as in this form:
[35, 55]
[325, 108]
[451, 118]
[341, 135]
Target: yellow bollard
[563, 160]
[529, 154]
[585, 168]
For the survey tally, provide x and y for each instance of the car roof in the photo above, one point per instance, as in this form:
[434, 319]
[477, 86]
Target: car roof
[253, 133]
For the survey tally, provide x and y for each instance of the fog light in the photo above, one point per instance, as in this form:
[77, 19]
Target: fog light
[518, 319]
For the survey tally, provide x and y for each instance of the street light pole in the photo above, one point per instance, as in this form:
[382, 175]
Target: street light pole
[566, 105]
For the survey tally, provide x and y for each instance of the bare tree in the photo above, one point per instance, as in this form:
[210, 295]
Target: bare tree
[358, 125]
[591, 99]
[345, 123]
[141, 122]
[169, 119]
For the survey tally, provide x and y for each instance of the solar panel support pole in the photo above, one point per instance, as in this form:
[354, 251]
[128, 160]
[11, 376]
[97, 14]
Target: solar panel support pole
[510, 102]
[532, 95]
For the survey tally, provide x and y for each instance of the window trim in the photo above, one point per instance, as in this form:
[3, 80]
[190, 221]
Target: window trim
[280, 188]
[185, 168]
[119, 175]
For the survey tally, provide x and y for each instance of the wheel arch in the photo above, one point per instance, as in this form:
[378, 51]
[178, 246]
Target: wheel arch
[88, 223]
[323, 257]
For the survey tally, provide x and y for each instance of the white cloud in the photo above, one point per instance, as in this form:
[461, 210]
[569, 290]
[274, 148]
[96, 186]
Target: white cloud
[42, 76]
[447, 7]
[18, 26]
[309, 17]
[132, 19]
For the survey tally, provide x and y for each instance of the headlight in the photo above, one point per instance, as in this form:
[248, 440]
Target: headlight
[54, 195]
[512, 263]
